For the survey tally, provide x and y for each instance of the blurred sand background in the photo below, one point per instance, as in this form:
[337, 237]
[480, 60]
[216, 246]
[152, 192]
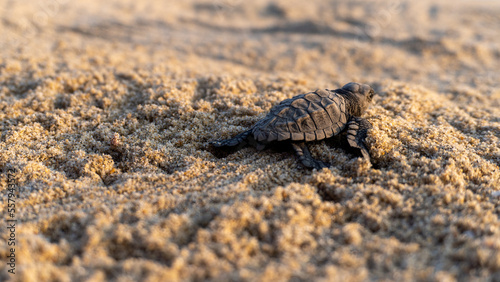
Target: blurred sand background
[106, 108]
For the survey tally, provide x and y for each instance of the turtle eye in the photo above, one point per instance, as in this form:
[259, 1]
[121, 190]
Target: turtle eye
[370, 95]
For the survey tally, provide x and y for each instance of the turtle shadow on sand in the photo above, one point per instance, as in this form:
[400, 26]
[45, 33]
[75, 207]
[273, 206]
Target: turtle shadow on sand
[338, 142]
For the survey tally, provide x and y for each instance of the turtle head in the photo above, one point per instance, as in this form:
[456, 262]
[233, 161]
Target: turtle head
[362, 95]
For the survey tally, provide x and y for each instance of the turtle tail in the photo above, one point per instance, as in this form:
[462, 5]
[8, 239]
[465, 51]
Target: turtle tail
[223, 148]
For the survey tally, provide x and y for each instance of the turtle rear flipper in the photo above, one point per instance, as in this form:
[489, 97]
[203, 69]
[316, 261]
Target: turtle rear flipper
[222, 148]
[306, 158]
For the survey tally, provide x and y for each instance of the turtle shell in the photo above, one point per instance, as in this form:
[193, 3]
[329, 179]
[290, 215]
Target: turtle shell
[312, 116]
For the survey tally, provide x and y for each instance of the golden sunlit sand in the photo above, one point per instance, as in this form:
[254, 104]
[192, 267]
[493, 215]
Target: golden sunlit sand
[107, 108]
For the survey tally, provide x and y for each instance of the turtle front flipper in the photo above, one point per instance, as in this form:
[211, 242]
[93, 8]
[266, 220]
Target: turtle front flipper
[306, 158]
[357, 129]
[223, 148]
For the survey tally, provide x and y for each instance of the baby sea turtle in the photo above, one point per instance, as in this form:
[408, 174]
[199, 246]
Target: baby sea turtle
[309, 117]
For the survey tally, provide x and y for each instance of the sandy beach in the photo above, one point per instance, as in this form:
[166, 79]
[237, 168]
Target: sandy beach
[107, 108]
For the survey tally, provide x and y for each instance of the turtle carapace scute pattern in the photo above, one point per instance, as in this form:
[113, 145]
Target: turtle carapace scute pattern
[308, 117]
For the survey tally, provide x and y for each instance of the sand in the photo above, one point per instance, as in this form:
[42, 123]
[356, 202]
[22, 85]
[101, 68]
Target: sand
[106, 110]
